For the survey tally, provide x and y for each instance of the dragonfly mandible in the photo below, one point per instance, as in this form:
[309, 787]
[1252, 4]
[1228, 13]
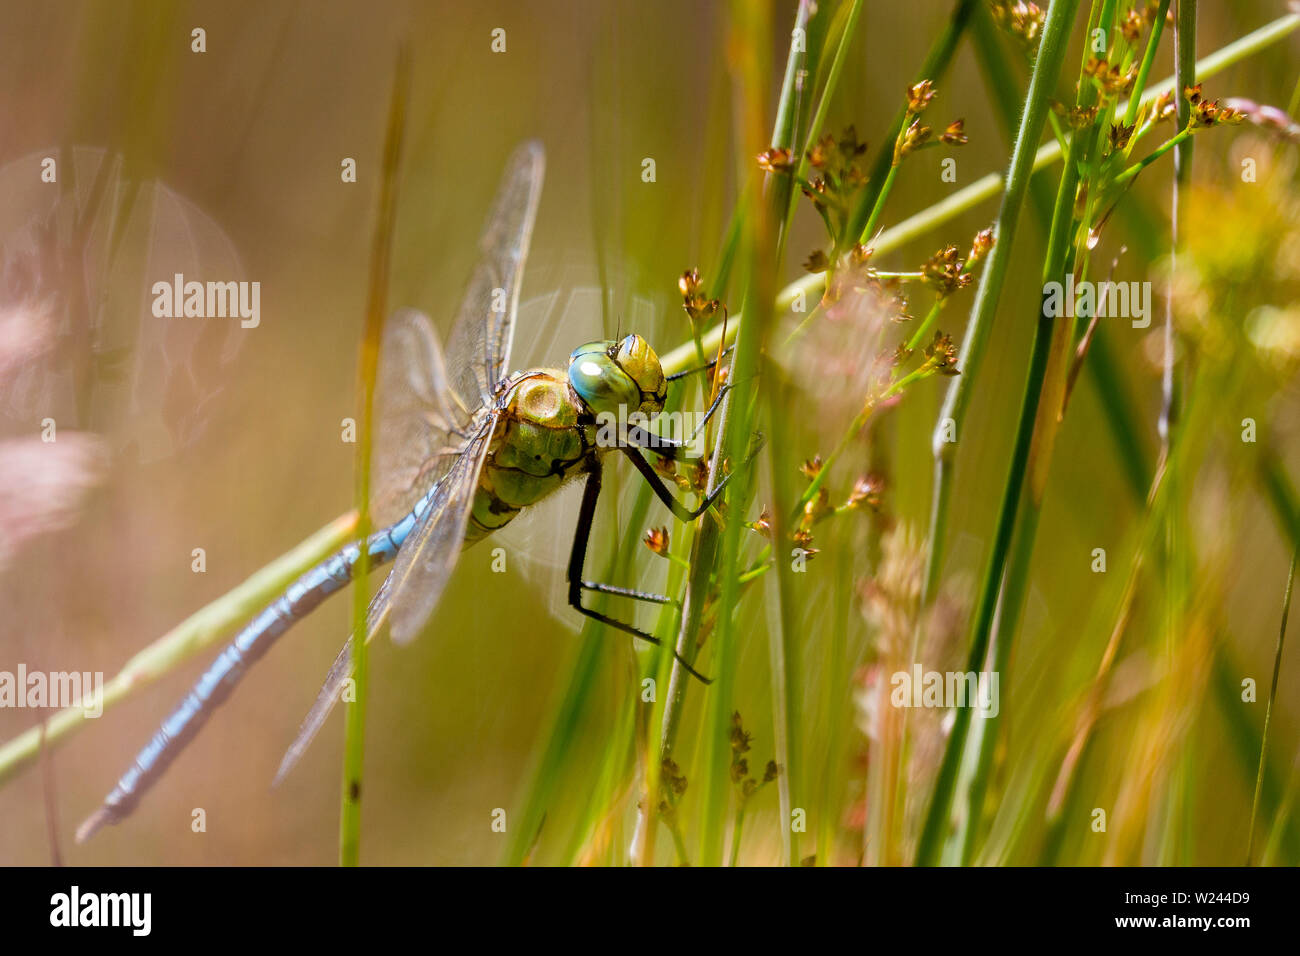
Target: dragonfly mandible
[460, 449]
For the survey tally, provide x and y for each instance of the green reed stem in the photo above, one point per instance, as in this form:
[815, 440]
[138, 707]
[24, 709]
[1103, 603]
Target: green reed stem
[1272, 695]
[1047, 68]
[367, 373]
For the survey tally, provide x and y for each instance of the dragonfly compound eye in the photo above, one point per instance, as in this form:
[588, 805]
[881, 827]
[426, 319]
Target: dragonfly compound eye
[639, 361]
[601, 382]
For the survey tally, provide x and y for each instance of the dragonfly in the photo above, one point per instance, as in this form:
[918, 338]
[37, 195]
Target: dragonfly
[461, 448]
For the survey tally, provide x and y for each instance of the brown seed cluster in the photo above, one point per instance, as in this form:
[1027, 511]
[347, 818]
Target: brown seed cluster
[1114, 80]
[1024, 21]
[1209, 112]
[915, 134]
[941, 355]
[694, 299]
[945, 271]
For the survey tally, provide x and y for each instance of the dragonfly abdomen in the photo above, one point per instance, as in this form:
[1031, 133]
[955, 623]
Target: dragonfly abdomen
[216, 684]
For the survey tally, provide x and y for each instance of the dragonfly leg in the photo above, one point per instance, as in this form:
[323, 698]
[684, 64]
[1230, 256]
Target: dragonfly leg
[667, 447]
[679, 510]
[577, 558]
[707, 366]
[628, 593]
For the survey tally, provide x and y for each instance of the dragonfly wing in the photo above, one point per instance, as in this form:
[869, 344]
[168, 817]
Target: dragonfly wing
[426, 560]
[412, 588]
[420, 424]
[479, 347]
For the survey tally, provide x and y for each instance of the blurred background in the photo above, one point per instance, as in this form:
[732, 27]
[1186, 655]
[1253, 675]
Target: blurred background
[178, 435]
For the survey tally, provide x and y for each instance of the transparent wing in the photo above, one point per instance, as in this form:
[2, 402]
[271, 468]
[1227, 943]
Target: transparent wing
[330, 691]
[435, 428]
[426, 560]
[411, 590]
[479, 347]
[420, 424]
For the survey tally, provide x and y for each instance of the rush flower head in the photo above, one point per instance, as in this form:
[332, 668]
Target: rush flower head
[945, 271]
[697, 305]
[955, 134]
[1164, 107]
[919, 97]
[913, 138]
[941, 355]
[1112, 79]
[1077, 116]
[980, 247]
[776, 160]
[1022, 20]
[1132, 26]
[1119, 135]
[816, 262]
[656, 539]
[1209, 112]
[866, 491]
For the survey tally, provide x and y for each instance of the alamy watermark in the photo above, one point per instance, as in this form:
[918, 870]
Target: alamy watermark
[208, 300]
[54, 689]
[661, 430]
[1125, 300]
[978, 690]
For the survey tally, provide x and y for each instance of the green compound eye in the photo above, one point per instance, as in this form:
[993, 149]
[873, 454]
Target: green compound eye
[600, 382]
[638, 360]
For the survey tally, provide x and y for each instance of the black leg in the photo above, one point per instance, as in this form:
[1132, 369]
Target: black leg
[627, 593]
[666, 447]
[578, 556]
[708, 366]
[679, 510]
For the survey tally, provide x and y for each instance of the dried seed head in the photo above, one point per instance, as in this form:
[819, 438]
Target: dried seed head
[1209, 112]
[941, 355]
[775, 160]
[919, 97]
[764, 523]
[1113, 80]
[819, 156]
[1119, 135]
[656, 539]
[698, 306]
[816, 262]
[945, 271]
[1132, 26]
[1022, 20]
[1164, 107]
[811, 468]
[1078, 117]
[980, 247]
[913, 138]
[866, 491]
[955, 134]
[739, 738]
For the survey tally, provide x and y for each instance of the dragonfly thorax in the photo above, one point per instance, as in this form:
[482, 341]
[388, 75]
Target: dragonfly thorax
[543, 437]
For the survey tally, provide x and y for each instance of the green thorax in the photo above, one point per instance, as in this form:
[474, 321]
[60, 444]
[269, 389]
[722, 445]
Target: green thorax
[537, 445]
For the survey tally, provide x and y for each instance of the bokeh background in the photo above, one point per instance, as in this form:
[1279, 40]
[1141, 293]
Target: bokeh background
[228, 439]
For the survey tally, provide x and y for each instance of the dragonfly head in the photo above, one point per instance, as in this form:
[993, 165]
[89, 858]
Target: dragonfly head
[612, 374]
